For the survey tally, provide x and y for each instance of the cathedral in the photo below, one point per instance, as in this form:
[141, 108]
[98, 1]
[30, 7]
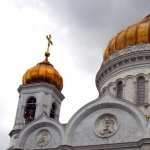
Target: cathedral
[118, 119]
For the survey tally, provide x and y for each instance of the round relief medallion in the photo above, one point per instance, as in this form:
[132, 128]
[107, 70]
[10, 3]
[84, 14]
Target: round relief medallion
[106, 125]
[43, 138]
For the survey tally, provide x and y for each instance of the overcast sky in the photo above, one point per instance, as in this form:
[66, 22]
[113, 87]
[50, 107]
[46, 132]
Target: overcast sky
[80, 30]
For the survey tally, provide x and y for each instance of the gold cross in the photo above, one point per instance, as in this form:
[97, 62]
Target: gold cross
[49, 38]
[47, 53]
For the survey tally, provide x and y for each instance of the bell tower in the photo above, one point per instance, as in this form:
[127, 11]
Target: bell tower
[39, 104]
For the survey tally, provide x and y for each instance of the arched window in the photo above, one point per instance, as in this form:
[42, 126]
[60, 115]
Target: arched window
[29, 111]
[140, 90]
[53, 111]
[119, 89]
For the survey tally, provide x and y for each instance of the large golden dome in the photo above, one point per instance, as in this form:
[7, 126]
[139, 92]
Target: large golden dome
[135, 34]
[44, 72]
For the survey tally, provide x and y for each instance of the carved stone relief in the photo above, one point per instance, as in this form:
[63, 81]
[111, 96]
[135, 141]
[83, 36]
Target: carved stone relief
[43, 138]
[106, 125]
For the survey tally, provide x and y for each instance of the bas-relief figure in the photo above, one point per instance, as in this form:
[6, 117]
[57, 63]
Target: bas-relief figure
[43, 138]
[107, 125]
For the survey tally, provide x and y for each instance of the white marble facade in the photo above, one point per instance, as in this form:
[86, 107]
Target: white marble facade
[107, 122]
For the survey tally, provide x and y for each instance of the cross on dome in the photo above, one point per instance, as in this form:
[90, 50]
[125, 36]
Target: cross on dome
[47, 53]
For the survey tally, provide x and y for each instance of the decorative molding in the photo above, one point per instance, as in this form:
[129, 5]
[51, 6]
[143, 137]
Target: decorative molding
[127, 58]
[147, 117]
[14, 131]
[46, 88]
[118, 146]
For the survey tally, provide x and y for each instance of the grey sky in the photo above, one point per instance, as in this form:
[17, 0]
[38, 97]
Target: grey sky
[93, 23]
[81, 30]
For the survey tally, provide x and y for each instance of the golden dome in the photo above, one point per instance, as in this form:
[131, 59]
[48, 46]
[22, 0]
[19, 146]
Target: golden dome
[43, 72]
[135, 34]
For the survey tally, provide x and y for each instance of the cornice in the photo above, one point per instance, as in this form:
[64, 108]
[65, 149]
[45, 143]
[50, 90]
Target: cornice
[119, 146]
[132, 57]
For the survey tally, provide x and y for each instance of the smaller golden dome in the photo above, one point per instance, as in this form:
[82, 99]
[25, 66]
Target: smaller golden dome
[138, 33]
[43, 72]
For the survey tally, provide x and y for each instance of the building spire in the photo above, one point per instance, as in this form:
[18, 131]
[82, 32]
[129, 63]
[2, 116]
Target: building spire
[47, 53]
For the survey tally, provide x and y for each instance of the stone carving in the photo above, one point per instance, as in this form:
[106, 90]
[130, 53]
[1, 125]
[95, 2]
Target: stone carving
[43, 138]
[106, 125]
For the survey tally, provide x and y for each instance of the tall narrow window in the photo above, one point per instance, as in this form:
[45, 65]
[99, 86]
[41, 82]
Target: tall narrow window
[119, 89]
[53, 111]
[29, 111]
[140, 90]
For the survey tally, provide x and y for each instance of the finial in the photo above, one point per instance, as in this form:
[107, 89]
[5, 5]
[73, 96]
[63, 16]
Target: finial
[148, 16]
[47, 53]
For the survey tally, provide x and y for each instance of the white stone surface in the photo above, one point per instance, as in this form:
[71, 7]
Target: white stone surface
[106, 120]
